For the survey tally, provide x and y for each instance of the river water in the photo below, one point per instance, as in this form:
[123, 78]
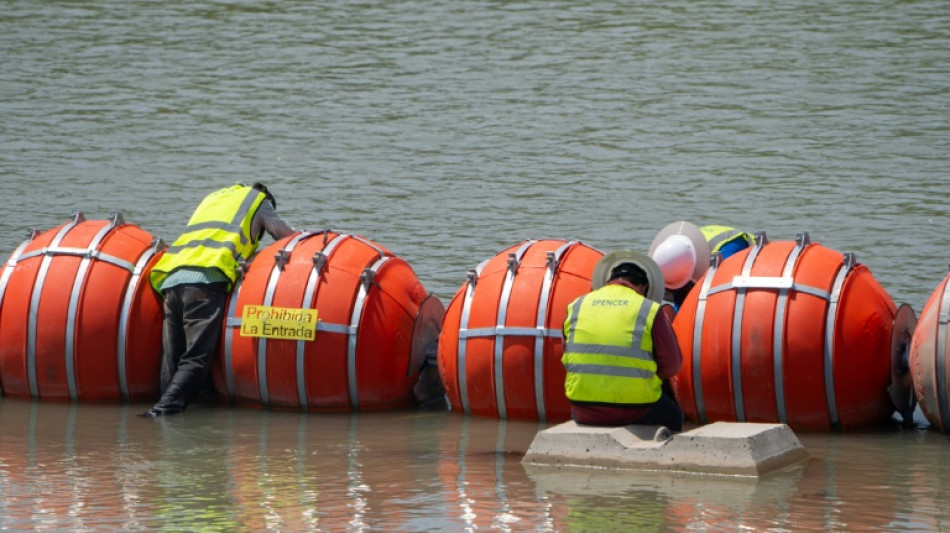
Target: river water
[448, 131]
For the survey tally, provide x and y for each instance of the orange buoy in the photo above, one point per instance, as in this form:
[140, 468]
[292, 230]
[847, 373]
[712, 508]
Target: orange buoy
[792, 332]
[928, 358]
[78, 319]
[376, 326]
[500, 347]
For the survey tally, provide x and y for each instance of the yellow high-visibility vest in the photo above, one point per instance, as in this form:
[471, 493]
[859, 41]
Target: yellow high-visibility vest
[218, 235]
[718, 236]
[608, 348]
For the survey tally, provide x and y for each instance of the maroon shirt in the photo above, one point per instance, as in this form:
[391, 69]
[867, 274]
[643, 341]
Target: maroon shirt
[669, 360]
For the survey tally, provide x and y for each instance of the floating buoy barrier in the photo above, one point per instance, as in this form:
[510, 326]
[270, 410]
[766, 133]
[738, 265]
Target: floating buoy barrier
[500, 348]
[375, 327]
[796, 333]
[78, 319]
[929, 351]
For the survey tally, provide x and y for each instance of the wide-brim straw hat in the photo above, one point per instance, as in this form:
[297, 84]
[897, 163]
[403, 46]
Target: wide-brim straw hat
[615, 258]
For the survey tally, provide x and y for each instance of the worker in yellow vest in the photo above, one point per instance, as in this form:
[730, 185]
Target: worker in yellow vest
[196, 274]
[619, 348]
[726, 240]
[682, 250]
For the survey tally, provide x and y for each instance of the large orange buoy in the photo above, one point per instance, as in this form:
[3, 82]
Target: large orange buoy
[376, 327]
[792, 332]
[78, 319]
[929, 361]
[500, 348]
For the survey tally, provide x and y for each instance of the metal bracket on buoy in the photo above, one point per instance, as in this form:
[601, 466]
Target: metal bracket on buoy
[802, 239]
[32, 233]
[850, 259]
[551, 261]
[157, 244]
[761, 239]
[281, 258]
[715, 259]
[472, 276]
[319, 260]
[116, 218]
[367, 277]
[242, 268]
[78, 216]
[513, 262]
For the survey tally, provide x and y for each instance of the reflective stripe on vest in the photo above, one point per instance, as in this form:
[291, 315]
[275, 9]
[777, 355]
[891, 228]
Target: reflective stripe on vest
[218, 235]
[608, 349]
[718, 236]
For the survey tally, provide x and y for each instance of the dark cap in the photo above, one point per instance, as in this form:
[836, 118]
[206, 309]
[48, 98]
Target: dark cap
[631, 272]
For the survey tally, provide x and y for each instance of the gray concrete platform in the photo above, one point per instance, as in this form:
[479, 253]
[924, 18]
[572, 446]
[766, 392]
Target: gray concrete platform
[720, 448]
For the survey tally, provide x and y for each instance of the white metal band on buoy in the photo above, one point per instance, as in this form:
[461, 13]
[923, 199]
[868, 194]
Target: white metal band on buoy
[514, 261]
[697, 355]
[544, 301]
[778, 328]
[280, 259]
[472, 280]
[830, 319]
[231, 321]
[320, 259]
[366, 282]
[35, 304]
[941, 360]
[126, 314]
[73, 308]
[736, 374]
[8, 271]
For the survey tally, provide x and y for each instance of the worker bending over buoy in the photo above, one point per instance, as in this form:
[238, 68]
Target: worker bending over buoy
[682, 251]
[195, 276]
[619, 348]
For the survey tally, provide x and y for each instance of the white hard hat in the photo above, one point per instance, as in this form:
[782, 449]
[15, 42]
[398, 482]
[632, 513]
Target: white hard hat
[681, 251]
[676, 257]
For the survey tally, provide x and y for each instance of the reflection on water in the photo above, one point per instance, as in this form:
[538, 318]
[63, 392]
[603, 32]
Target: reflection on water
[74, 467]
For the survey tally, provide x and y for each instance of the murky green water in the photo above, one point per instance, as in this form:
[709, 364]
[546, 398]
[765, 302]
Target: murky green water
[448, 131]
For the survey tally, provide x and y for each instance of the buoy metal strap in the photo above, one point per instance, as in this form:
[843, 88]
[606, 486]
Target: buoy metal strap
[941, 360]
[553, 259]
[736, 363]
[125, 314]
[78, 217]
[280, 260]
[514, 261]
[463, 329]
[366, 283]
[697, 354]
[320, 259]
[830, 317]
[8, 271]
[778, 330]
[73, 309]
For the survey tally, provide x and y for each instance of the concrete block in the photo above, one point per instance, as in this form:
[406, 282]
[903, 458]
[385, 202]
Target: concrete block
[721, 448]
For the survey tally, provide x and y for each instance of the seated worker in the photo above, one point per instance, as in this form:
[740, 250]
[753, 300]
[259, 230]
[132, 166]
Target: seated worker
[682, 249]
[619, 347]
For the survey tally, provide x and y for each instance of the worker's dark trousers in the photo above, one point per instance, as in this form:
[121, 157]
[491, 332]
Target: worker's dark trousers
[194, 319]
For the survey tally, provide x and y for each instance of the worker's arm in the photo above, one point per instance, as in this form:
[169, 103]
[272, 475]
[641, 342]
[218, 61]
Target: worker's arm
[267, 219]
[666, 350]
